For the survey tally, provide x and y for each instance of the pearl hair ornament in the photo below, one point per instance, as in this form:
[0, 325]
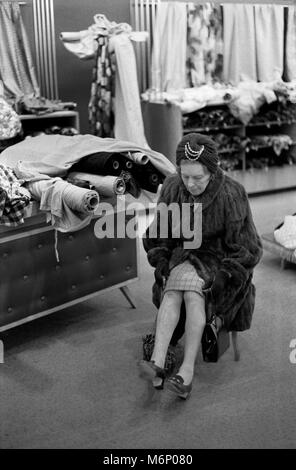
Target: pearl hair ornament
[191, 154]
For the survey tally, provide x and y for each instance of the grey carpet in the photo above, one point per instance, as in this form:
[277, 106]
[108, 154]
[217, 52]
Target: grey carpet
[70, 380]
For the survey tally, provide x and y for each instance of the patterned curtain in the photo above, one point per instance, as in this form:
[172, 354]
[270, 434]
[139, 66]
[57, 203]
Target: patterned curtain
[100, 108]
[204, 44]
[16, 65]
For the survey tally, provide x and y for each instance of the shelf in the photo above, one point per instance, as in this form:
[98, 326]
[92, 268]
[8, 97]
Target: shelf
[259, 181]
[208, 129]
[271, 123]
[169, 128]
[55, 114]
[39, 122]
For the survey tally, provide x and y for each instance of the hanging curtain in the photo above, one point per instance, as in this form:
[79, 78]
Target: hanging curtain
[269, 28]
[239, 43]
[168, 66]
[16, 65]
[205, 44]
[100, 108]
[128, 114]
[290, 52]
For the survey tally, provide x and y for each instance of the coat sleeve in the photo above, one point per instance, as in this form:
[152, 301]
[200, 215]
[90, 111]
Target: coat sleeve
[242, 243]
[157, 240]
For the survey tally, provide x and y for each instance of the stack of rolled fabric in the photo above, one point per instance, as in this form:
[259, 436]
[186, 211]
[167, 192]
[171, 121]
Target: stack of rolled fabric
[116, 173]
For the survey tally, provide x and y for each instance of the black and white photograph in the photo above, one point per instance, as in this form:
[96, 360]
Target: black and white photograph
[147, 228]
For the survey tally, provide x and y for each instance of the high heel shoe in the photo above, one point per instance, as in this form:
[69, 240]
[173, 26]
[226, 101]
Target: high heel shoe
[149, 370]
[176, 385]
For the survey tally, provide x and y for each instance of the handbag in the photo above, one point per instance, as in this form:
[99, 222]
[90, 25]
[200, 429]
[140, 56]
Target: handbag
[214, 342]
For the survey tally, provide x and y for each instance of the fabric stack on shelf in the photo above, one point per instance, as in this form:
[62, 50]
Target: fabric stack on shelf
[280, 112]
[35, 104]
[213, 118]
[265, 151]
[69, 174]
[229, 147]
[117, 173]
[67, 130]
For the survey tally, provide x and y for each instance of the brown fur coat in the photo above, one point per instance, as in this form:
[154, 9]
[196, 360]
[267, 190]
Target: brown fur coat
[229, 241]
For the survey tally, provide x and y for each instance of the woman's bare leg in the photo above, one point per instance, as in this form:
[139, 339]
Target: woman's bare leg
[167, 319]
[195, 323]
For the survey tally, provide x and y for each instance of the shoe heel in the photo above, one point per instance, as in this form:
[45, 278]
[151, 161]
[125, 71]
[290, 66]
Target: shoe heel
[184, 395]
[158, 383]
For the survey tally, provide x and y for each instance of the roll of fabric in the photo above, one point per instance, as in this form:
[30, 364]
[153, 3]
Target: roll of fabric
[80, 199]
[148, 176]
[76, 198]
[73, 36]
[132, 185]
[138, 157]
[105, 185]
[102, 163]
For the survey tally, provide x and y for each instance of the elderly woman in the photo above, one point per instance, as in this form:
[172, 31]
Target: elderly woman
[222, 265]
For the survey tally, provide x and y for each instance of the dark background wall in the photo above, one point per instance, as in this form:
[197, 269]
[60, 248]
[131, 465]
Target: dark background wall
[74, 75]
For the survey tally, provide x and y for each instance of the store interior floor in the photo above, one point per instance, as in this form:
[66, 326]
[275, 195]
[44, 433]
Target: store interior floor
[70, 380]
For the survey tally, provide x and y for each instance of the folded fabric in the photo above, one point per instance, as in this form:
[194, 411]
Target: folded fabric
[286, 234]
[105, 185]
[13, 198]
[33, 104]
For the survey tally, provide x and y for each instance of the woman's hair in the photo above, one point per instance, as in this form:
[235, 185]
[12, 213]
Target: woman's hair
[198, 148]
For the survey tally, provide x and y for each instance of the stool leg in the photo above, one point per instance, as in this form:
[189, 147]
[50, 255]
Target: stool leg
[126, 292]
[283, 264]
[236, 350]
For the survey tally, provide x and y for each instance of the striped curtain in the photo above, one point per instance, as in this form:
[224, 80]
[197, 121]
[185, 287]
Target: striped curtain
[17, 71]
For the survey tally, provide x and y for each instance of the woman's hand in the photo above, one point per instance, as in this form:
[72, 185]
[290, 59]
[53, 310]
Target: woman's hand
[216, 291]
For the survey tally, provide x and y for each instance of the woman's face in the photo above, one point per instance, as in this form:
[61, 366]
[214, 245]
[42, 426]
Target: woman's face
[195, 176]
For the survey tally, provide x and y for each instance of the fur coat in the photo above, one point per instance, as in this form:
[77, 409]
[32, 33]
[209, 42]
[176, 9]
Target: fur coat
[230, 242]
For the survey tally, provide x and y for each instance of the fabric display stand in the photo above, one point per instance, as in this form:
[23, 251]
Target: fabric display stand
[248, 109]
[45, 284]
[114, 106]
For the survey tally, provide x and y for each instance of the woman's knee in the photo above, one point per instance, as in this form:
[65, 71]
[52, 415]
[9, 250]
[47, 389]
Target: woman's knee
[173, 297]
[193, 297]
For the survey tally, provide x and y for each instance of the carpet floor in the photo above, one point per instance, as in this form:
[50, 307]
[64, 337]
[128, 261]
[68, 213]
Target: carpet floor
[70, 380]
